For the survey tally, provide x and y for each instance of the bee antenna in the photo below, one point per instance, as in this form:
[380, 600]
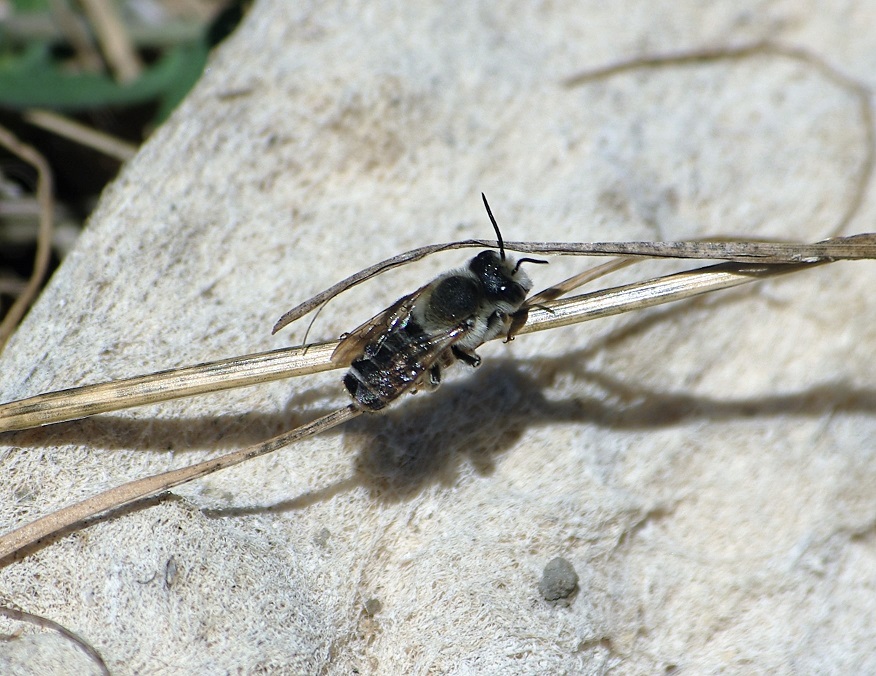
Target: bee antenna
[495, 227]
[527, 260]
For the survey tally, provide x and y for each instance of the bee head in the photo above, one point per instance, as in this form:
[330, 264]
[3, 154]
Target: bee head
[501, 278]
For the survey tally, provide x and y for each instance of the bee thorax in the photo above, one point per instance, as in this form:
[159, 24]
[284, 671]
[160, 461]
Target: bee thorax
[453, 299]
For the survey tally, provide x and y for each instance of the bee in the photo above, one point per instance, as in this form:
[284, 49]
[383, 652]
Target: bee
[407, 346]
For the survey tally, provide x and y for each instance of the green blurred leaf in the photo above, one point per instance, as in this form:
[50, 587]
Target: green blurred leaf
[188, 71]
[30, 5]
[33, 79]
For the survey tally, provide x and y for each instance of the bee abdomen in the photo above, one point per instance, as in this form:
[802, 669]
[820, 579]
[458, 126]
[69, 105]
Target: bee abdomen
[383, 374]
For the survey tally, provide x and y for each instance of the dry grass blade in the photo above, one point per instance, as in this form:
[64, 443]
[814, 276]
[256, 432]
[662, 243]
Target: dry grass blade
[855, 247]
[641, 295]
[46, 623]
[114, 39]
[81, 134]
[557, 313]
[247, 370]
[189, 381]
[75, 31]
[44, 191]
[138, 489]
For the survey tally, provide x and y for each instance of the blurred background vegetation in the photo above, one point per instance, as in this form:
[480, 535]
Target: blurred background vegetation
[82, 84]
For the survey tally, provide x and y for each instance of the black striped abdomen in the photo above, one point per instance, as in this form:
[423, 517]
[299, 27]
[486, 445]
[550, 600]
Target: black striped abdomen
[390, 367]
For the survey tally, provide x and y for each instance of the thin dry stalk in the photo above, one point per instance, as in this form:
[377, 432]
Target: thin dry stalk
[857, 89]
[79, 402]
[46, 623]
[82, 134]
[44, 193]
[139, 489]
[75, 31]
[114, 39]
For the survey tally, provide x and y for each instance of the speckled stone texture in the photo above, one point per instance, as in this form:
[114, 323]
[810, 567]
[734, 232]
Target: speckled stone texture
[707, 468]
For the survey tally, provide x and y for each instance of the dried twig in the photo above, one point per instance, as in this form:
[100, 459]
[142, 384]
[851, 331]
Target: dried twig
[138, 489]
[114, 39]
[46, 623]
[44, 192]
[63, 405]
[82, 134]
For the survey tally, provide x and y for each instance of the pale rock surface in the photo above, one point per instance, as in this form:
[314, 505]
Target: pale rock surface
[707, 468]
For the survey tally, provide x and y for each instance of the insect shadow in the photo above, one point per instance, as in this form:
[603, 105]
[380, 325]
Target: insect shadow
[427, 439]
[475, 421]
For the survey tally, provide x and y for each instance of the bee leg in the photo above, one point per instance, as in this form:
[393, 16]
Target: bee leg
[469, 357]
[499, 321]
[518, 319]
[434, 379]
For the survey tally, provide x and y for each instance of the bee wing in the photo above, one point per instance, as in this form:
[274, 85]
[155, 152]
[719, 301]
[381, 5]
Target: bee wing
[518, 319]
[573, 283]
[407, 369]
[430, 353]
[353, 343]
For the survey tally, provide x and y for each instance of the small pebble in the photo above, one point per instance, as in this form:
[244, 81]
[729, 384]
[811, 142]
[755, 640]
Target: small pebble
[170, 572]
[322, 537]
[373, 606]
[558, 581]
